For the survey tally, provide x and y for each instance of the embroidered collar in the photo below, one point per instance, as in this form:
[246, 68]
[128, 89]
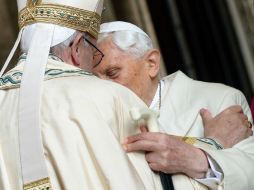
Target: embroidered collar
[23, 56]
[56, 68]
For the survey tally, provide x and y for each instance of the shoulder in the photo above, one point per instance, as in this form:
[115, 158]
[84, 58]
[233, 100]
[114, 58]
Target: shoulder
[91, 88]
[200, 88]
[215, 96]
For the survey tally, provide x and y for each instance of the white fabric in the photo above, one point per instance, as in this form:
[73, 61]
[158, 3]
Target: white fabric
[215, 176]
[60, 35]
[90, 5]
[84, 121]
[37, 40]
[179, 115]
[31, 150]
[120, 26]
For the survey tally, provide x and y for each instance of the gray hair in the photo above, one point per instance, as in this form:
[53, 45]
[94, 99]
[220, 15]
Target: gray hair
[65, 44]
[131, 42]
[62, 46]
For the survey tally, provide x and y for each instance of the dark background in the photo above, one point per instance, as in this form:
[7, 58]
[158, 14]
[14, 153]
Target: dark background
[195, 36]
[201, 42]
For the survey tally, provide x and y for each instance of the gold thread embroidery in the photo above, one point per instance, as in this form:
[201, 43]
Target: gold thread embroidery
[189, 140]
[67, 16]
[42, 184]
[32, 3]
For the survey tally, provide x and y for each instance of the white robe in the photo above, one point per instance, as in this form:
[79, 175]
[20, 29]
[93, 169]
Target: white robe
[182, 98]
[84, 120]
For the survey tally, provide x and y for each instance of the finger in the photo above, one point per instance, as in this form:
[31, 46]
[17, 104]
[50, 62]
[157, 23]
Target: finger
[155, 167]
[159, 168]
[142, 145]
[249, 124]
[142, 124]
[233, 109]
[250, 133]
[243, 118]
[143, 136]
[248, 129]
[143, 129]
[206, 116]
[153, 157]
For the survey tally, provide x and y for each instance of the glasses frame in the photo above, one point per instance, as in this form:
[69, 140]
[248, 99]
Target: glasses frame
[97, 50]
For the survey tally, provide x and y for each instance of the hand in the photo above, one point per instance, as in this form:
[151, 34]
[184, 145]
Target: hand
[229, 127]
[168, 154]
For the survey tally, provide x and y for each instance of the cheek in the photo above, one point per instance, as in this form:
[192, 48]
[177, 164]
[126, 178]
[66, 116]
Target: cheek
[85, 54]
[127, 79]
[90, 54]
[123, 79]
[98, 73]
[86, 61]
[136, 79]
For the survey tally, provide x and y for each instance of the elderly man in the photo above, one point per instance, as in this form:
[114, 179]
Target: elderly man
[62, 127]
[131, 61]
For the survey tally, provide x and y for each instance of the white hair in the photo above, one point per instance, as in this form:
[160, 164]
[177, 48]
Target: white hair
[131, 42]
[65, 44]
[61, 46]
[60, 34]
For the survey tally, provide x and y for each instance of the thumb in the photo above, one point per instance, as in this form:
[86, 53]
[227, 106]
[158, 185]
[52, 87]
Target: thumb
[205, 115]
[143, 129]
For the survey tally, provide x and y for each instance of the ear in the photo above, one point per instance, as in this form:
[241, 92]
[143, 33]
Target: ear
[75, 50]
[152, 58]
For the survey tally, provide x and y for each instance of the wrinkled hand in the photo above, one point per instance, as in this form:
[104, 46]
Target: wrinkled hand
[229, 127]
[168, 154]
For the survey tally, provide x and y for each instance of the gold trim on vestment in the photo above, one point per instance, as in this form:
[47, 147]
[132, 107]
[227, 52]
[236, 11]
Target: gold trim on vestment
[189, 140]
[42, 184]
[67, 16]
[32, 3]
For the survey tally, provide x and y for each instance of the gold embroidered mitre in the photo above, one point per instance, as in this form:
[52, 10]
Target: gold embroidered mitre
[82, 15]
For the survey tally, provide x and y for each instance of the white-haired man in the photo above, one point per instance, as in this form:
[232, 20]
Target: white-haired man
[62, 127]
[131, 60]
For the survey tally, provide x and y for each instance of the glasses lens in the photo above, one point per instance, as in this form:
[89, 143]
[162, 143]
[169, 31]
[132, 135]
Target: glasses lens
[97, 55]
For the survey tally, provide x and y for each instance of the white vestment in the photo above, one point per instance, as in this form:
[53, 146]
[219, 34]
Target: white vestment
[181, 100]
[84, 120]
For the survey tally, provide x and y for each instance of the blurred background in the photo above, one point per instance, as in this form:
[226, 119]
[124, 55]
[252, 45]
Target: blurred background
[209, 40]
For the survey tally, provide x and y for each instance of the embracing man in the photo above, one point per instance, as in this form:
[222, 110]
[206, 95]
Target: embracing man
[217, 116]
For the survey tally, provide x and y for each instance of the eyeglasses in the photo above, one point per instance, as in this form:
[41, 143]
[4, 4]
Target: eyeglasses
[97, 54]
